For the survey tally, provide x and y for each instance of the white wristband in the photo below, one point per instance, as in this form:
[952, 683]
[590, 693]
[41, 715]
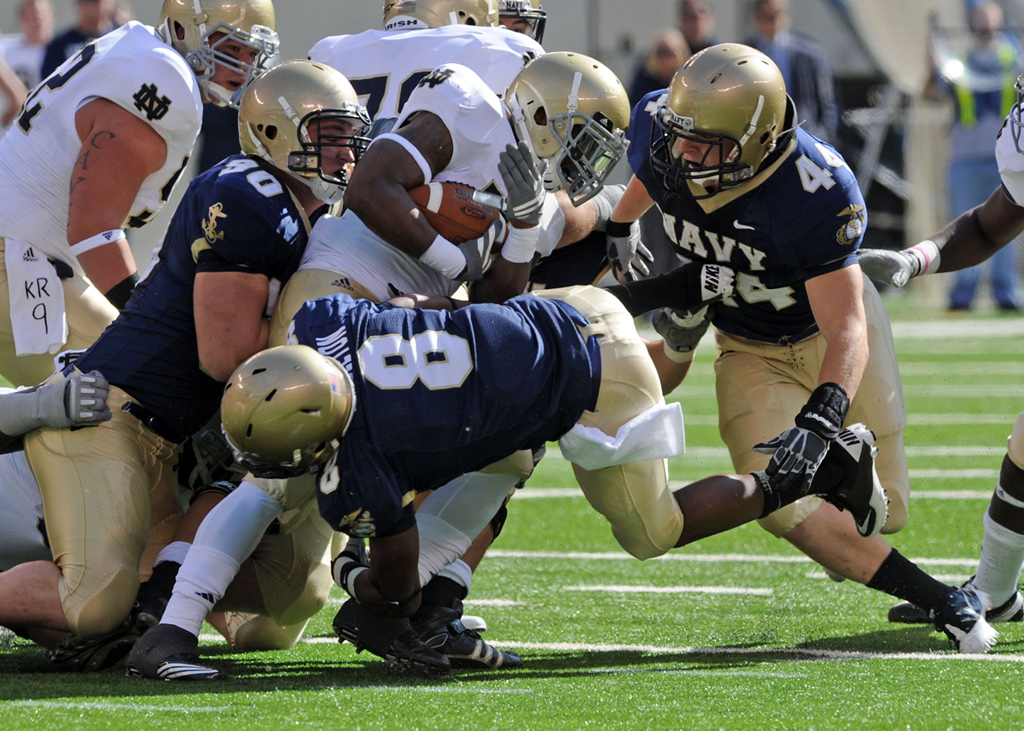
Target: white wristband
[928, 255]
[94, 242]
[521, 244]
[677, 357]
[445, 257]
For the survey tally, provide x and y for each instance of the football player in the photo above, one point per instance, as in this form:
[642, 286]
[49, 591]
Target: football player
[567, 365]
[97, 148]
[966, 241]
[721, 154]
[239, 231]
[523, 16]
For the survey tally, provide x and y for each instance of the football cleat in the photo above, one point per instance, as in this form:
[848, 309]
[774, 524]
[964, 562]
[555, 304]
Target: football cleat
[1012, 610]
[167, 652]
[962, 618]
[859, 491]
[442, 628]
[390, 638]
[76, 655]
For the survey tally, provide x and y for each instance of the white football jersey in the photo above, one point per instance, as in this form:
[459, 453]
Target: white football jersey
[385, 66]
[21, 513]
[131, 67]
[476, 119]
[1011, 164]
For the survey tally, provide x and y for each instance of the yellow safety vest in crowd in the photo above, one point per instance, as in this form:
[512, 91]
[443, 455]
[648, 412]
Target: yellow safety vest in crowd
[965, 97]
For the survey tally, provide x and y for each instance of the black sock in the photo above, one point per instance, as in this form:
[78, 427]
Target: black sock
[441, 591]
[164, 574]
[902, 578]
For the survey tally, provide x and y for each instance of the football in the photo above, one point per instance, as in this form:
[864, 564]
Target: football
[456, 211]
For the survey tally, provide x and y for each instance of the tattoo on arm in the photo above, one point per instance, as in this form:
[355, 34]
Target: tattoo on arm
[96, 142]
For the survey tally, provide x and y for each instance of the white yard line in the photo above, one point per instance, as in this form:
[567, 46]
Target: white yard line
[120, 707]
[549, 493]
[624, 589]
[496, 553]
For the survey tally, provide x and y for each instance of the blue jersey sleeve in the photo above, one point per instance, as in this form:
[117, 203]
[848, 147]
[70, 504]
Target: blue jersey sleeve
[249, 207]
[641, 128]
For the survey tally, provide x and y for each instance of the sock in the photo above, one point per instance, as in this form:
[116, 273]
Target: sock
[1002, 554]
[174, 551]
[442, 591]
[202, 581]
[163, 577]
[902, 578]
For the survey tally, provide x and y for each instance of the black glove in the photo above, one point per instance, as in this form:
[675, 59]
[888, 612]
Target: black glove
[681, 331]
[798, 452]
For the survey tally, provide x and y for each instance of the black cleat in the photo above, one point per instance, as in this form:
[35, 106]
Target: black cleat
[76, 655]
[962, 618]
[1012, 610]
[167, 652]
[442, 629]
[859, 490]
[390, 638]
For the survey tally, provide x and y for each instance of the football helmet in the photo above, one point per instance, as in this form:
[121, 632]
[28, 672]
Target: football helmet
[729, 97]
[1016, 116]
[574, 112]
[284, 410]
[188, 26]
[280, 110]
[436, 13]
[526, 10]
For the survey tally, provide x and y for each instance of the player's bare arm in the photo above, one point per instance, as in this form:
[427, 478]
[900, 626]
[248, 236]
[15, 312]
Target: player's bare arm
[378, 190]
[230, 325]
[635, 202]
[392, 586]
[976, 235]
[836, 300]
[119, 151]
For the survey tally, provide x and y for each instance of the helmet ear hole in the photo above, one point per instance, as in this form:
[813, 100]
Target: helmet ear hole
[540, 117]
[271, 131]
[179, 31]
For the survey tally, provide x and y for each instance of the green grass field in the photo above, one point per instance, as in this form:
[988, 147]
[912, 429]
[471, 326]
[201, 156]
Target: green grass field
[737, 632]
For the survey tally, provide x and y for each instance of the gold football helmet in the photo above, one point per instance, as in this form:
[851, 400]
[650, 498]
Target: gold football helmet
[574, 112]
[189, 25]
[282, 107]
[436, 13]
[729, 97]
[528, 13]
[284, 410]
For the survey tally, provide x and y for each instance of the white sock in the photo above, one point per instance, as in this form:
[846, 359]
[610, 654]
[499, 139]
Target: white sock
[202, 581]
[1002, 554]
[440, 545]
[175, 551]
[459, 572]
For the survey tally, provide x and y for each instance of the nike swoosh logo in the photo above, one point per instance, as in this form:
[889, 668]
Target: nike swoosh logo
[737, 224]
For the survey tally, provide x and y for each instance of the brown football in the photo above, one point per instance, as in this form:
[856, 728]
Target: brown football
[452, 210]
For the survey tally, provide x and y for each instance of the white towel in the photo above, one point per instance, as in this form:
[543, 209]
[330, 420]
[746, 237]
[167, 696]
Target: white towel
[655, 434]
[37, 300]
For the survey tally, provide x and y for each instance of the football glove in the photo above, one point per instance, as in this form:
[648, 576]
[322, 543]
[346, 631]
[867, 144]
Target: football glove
[628, 257]
[524, 180]
[681, 331]
[79, 399]
[896, 268]
[798, 452]
[479, 252]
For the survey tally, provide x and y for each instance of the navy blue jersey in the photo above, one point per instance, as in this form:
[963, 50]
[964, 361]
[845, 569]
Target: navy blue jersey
[235, 217]
[439, 394]
[805, 220]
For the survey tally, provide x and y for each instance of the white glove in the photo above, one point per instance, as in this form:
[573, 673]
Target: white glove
[78, 399]
[896, 268]
[479, 252]
[524, 180]
[629, 258]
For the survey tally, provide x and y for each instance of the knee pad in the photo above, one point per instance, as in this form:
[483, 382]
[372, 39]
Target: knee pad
[1015, 443]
